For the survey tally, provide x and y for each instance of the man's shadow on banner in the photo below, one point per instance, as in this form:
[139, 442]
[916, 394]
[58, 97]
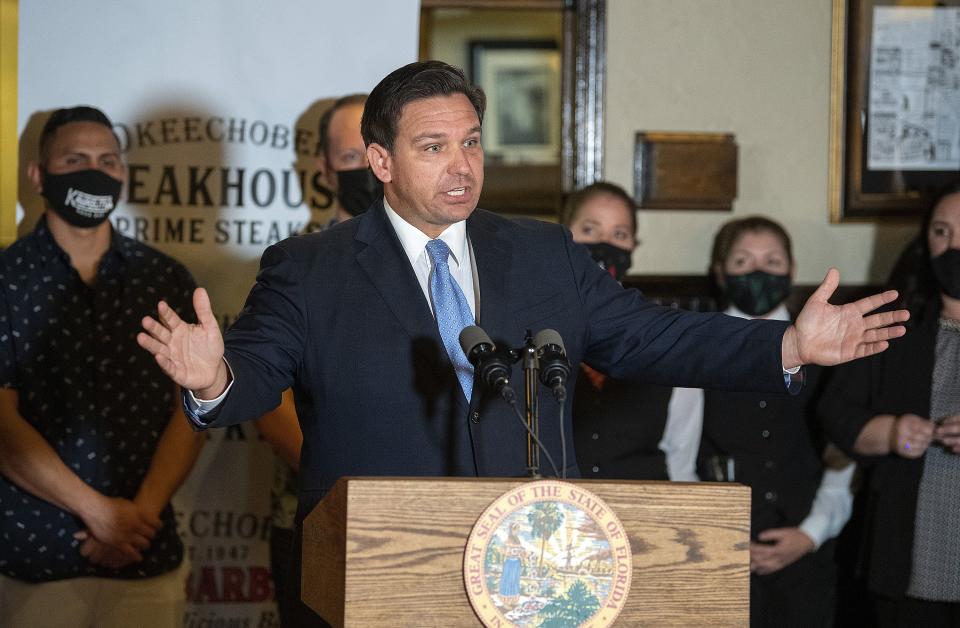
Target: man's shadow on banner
[309, 164]
[28, 151]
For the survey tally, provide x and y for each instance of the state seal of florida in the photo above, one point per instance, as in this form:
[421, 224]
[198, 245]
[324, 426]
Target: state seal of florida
[547, 554]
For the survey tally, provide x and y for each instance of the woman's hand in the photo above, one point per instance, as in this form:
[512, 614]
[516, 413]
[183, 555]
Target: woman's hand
[948, 433]
[779, 547]
[911, 435]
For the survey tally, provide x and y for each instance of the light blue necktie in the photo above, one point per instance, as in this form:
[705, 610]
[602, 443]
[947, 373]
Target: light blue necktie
[452, 311]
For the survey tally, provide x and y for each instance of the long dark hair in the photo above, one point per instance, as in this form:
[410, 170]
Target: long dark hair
[912, 275]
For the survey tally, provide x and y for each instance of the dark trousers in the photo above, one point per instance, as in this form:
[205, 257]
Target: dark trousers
[801, 594]
[908, 612]
[286, 559]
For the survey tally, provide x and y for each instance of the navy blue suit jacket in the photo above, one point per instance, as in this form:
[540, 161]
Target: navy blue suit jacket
[339, 316]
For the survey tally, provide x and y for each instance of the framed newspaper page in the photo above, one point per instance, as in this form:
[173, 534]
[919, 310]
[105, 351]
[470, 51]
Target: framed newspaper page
[894, 106]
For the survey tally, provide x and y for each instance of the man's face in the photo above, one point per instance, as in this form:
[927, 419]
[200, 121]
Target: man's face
[81, 146]
[345, 149]
[434, 174]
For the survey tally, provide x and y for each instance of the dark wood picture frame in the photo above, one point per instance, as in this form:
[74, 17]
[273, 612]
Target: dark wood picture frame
[856, 193]
[533, 190]
[522, 82]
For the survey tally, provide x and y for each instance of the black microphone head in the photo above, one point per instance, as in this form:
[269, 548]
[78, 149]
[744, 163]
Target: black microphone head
[548, 337]
[554, 366]
[473, 338]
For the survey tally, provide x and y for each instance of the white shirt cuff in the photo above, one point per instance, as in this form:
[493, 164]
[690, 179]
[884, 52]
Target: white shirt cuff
[831, 507]
[204, 406]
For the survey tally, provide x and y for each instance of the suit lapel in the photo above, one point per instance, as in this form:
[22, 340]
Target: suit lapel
[493, 253]
[387, 267]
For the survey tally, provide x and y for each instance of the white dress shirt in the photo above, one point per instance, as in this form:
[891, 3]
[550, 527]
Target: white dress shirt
[681, 442]
[414, 243]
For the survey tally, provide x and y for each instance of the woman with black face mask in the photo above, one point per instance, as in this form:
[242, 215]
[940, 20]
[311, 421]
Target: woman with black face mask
[617, 424]
[769, 442]
[900, 413]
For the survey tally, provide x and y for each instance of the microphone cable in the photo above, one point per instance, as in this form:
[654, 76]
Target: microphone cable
[563, 443]
[519, 415]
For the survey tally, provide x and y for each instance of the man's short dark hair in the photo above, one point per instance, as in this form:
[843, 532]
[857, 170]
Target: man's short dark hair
[579, 198]
[338, 104]
[60, 117]
[415, 81]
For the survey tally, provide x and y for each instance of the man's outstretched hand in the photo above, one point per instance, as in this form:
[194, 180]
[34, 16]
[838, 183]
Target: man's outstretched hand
[832, 334]
[191, 355]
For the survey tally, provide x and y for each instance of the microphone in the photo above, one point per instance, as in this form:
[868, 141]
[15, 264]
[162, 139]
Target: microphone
[554, 366]
[489, 366]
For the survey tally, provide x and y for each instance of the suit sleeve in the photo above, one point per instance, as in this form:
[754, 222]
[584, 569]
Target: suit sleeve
[631, 338]
[264, 347]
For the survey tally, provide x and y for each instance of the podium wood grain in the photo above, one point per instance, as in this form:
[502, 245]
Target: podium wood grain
[389, 551]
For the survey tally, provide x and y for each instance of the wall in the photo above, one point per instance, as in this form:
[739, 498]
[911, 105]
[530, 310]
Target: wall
[759, 69]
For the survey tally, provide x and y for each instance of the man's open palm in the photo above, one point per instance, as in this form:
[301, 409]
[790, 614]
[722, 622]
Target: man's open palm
[832, 334]
[191, 355]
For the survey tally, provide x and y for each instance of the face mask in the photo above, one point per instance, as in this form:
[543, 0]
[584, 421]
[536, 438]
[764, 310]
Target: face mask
[357, 189]
[84, 198]
[946, 267]
[757, 293]
[612, 259]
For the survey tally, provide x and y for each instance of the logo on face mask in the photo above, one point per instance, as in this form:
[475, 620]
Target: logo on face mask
[89, 205]
[757, 293]
[612, 259]
[84, 198]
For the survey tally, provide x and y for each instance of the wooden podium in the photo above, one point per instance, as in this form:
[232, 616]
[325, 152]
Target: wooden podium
[389, 551]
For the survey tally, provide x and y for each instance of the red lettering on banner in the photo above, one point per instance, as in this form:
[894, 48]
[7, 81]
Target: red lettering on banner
[261, 588]
[229, 584]
[232, 584]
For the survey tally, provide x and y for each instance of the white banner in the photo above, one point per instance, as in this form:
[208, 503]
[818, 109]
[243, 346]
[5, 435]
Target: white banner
[216, 105]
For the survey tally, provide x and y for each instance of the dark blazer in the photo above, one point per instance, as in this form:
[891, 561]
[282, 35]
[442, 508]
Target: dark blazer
[339, 316]
[897, 381]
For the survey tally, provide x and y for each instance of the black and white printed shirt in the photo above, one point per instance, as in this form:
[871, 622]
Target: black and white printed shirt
[98, 399]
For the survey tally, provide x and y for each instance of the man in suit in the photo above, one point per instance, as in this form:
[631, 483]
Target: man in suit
[361, 319]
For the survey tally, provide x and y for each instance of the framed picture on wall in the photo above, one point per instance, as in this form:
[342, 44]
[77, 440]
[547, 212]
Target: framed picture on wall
[894, 106]
[522, 82]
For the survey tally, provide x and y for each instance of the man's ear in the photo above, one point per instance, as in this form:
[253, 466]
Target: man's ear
[380, 162]
[35, 174]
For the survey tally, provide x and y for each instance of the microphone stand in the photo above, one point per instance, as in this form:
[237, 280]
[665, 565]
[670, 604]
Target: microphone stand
[531, 382]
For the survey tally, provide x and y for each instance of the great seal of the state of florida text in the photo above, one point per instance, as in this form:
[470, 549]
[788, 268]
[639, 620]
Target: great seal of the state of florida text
[548, 554]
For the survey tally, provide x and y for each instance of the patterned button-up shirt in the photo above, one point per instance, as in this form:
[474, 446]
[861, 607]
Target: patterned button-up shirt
[84, 384]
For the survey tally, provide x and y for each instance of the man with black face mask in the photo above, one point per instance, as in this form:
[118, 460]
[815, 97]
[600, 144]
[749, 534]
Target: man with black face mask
[344, 169]
[92, 439]
[344, 159]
